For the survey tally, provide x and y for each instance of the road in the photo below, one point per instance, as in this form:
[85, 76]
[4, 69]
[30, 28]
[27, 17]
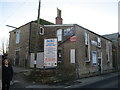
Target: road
[112, 82]
[107, 83]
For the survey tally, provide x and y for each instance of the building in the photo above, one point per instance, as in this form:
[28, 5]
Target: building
[115, 48]
[77, 51]
[20, 43]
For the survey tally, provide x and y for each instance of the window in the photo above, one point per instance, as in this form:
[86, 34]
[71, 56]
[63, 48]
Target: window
[94, 58]
[68, 31]
[41, 31]
[99, 42]
[86, 38]
[59, 34]
[107, 50]
[17, 37]
[108, 46]
[72, 56]
[59, 56]
[86, 54]
[87, 47]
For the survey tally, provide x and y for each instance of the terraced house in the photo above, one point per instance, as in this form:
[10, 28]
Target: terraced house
[67, 48]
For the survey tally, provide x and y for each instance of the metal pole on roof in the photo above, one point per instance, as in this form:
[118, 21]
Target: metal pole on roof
[38, 18]
[37, 31]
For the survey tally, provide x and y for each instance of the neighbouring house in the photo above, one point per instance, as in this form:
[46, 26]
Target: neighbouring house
[79, 51]
[115, 49]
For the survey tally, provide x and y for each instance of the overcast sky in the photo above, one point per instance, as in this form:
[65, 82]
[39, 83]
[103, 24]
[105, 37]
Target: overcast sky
[99, 16]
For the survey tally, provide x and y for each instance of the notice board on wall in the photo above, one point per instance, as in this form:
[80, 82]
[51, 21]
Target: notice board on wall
[50, 52]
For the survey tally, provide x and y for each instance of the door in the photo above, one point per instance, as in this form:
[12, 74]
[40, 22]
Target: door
[99, 65]
[17, 58]
[40, 60]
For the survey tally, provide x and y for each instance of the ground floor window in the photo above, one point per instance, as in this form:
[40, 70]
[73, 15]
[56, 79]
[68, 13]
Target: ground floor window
[94, 58]
[72, 56]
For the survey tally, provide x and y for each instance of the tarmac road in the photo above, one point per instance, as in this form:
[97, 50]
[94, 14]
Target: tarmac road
[112, 82]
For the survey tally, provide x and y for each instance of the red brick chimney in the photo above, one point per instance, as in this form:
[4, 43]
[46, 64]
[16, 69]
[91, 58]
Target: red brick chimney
[59, 20]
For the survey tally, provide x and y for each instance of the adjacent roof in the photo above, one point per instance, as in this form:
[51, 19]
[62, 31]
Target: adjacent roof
[113, 37]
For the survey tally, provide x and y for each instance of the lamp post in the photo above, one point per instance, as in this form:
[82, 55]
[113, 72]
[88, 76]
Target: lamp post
[37, 32]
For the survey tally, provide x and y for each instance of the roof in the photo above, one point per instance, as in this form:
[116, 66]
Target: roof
[112, 37]
[60, 25]
[42, 22]
[94, 32]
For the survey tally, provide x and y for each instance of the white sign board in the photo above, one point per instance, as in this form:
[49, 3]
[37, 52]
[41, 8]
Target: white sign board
[50, 52]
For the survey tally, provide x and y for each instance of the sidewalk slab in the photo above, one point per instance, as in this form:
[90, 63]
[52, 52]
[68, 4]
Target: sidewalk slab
[20, 69]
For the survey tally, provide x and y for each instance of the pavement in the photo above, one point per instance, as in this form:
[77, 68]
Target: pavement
[20, 82]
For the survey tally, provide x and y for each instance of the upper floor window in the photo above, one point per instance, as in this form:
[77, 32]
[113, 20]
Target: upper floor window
[87, 47]
[17, 37]
[68, 31]
[99, 42]
[86, 38]
[59, 34]
[41, 31]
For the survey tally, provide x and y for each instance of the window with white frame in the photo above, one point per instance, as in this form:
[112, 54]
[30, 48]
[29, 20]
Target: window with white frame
[41, 31]
[17, 37]
[99, 42]
[59, 34]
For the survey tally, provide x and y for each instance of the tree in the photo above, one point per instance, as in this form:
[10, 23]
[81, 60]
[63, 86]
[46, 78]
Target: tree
[4, 45]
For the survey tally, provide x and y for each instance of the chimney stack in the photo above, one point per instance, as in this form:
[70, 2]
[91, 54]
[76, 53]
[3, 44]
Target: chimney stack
[58, 18]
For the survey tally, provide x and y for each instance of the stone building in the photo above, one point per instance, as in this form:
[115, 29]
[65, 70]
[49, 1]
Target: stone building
[79, 51]
[20, 43]
[115, 49]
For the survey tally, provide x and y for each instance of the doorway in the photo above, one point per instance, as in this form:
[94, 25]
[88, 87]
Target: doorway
[17, 58]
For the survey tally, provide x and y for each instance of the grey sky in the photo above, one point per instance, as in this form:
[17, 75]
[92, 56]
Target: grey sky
[99, 16]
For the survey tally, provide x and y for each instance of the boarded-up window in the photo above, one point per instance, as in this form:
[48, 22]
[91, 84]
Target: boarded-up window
[86, 38]
[107, 49]
[17, 37]
[68, 31]
[87, 48]
[94, 58]
[72, 55]
[59, 34]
